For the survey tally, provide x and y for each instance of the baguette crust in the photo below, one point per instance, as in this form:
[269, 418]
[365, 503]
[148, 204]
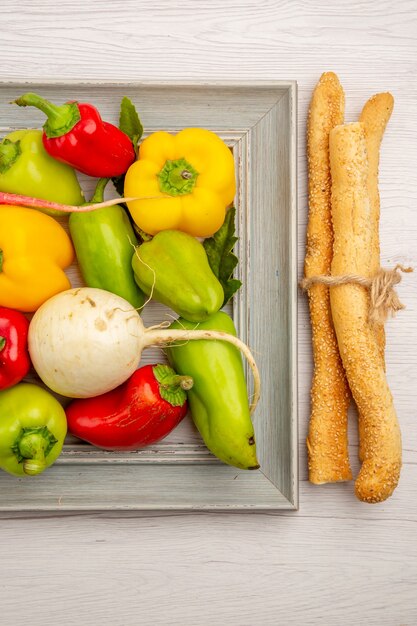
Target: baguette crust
[327, 442]
[361, 356]
[375, 116]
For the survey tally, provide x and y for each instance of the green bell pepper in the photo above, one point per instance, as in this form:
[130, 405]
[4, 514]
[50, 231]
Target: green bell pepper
[26, 168]
[32, 429]
[219, 398]
[174, 269]
[104, 241]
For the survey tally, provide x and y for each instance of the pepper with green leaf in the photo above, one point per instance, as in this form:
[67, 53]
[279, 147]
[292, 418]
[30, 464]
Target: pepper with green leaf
[75, 133]
[193, 279]
[173, 269]
[221, 258]
[130, 125]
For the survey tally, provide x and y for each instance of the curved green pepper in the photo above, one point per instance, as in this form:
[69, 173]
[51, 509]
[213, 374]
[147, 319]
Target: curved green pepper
[104, 240]
[174, 269]
[219, 397]
[26, 168]
[32, 429]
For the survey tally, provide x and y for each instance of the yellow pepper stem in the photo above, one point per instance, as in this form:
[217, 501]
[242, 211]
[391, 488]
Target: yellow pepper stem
[177, 177]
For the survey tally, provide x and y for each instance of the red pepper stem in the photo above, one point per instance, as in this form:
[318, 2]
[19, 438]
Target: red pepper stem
[61, 119]
[163, 337]
[172, 387]
[185, 382]
[2, 343]
[32, 99]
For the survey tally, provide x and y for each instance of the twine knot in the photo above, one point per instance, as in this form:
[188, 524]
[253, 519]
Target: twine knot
[384, 299]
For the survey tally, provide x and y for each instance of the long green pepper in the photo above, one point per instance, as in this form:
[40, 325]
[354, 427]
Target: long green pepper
[104, 243]
[219, 397]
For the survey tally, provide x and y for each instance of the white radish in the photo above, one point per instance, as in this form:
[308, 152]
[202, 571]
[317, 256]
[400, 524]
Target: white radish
[84, 342]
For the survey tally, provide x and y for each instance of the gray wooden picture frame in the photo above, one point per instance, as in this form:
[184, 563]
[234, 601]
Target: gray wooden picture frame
[258, 121]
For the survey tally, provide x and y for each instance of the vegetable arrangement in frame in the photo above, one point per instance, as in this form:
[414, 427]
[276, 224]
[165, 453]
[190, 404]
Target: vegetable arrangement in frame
[214, 285]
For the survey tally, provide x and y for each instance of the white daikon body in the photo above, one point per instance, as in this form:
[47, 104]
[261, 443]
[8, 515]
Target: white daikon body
[85, 341]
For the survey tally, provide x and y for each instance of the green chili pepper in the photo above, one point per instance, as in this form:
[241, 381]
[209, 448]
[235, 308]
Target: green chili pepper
[32, 429]
[218, 399]
[174, 268]
[26, 168]
[104, 241]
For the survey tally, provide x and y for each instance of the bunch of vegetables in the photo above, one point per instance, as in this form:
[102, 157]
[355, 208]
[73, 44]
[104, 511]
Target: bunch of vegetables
[86, 343]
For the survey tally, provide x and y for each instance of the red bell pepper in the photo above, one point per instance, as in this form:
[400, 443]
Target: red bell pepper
[139, 412]
[14, 355]
[74, 133]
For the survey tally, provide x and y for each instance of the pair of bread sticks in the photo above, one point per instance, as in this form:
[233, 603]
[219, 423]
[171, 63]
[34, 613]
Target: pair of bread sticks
[343, 238]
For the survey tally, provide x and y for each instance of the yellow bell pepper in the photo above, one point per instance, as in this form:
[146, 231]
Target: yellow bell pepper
[185, 182]
[34, 250]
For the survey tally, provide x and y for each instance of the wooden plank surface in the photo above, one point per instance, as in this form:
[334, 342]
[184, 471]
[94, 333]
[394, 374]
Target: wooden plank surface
[336, 561]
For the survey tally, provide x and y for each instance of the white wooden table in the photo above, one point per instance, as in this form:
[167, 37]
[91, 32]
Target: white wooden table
[335, 561]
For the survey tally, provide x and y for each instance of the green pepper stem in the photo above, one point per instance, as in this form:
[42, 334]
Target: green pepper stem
[162, 337]
[32, 447]
[60, 119]
[33, 467]
[98, 195]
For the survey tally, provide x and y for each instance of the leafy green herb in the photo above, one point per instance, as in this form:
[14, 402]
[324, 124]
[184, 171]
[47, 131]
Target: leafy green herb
[129, 121]
[220, 256]
[130, 124]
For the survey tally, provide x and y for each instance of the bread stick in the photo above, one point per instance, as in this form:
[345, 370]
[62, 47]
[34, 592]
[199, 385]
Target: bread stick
[362, 360]
[327, 442]
[375, 116]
